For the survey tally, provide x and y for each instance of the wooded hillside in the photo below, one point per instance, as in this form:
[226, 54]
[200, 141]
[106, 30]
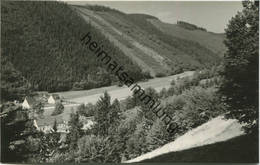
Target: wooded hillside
[42, 41]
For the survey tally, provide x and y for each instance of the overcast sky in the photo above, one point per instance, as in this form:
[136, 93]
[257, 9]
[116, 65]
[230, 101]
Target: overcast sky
[209, 14]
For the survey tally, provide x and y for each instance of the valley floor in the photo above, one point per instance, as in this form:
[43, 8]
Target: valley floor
[120, 93]
[75, 98]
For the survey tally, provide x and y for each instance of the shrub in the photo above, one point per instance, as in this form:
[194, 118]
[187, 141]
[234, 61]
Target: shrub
[171, 91]
[38, 108]
[201, 105]
[92, 149]
[173, 82]
[86, 110]
[160, 74]
[157, 135]
[176, 104]
[136, 144]
[129, 103]
[147, 75]
[163, 93]
[59, 108]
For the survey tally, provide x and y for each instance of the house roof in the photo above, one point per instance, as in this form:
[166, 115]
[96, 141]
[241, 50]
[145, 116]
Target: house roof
[30, 100]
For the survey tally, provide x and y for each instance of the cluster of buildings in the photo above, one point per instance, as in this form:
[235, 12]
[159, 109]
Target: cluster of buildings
[29, 101]
[46, 124]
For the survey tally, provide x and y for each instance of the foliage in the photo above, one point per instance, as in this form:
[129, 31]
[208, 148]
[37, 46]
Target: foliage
[13, 85]
[86, 110]
[101, 115]
[157, 136]
[101, 8]
[75, 131]
[55, 125]
[189, 26]
[160, 75]
[38, 108]
[59, 108]
[15, 123]
[136, 144]
[209, 75]
[129, 103]
[45, 47]
[176, 103]
[200, 106]
[49, 144]
[94, 149]
[163, 93]
[114, 115]
[145, 108]
[240, 74]
[106, 115]
[198, 55]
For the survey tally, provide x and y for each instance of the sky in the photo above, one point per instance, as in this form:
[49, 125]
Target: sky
[212, 15]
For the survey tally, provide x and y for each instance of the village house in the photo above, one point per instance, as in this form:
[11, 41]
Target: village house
[46, 129]
[88, 122]
[28, 102]
[63, 127]
[42, 128]
[53, 99]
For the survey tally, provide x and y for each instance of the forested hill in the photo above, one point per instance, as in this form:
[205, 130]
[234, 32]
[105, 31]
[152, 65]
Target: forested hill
[42, 42]
[163, 48]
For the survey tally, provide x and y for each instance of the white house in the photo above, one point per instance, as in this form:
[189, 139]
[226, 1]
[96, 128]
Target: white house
[35, 124]
[28, 102]
[63, 127]
[46, 129]
[88, 122]
[53, 99]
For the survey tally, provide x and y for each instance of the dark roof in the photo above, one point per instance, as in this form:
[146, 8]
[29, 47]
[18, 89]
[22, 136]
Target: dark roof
[30, 100]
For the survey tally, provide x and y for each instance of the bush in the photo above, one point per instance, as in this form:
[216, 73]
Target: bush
[157, 135]
[38, 108]
[147, 75]
[201, 105]
[96, 149]
[86, 110]
[160, 75]
[59, 108]
[90, 149]
[173, 82]
[163, 93]
[176, 104]
[136, 144]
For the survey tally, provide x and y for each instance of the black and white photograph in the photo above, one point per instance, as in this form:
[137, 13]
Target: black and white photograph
[129, 81]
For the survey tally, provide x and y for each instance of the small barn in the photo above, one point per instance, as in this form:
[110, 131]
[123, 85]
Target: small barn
[28, 102]
[54, 99]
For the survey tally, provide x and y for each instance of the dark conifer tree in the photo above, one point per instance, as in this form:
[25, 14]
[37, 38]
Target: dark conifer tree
[240, 85]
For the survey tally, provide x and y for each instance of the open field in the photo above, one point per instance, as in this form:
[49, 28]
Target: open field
[92, 96]
[48, 119]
